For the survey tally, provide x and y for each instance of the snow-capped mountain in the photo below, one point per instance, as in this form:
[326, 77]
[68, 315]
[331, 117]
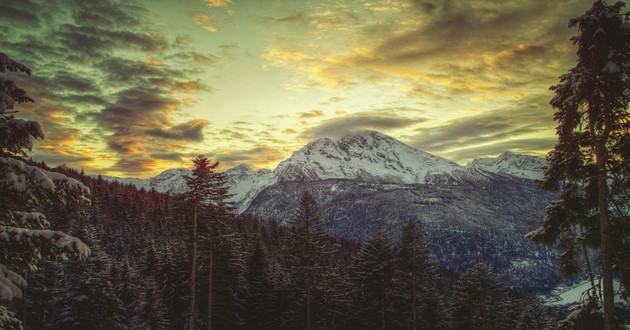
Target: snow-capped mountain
[478, 212]
[370, 157]
[171, 181]
[245, 184]
[510, 163]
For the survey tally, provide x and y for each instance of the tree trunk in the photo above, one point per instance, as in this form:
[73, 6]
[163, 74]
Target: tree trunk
[193, 274]
[308, 305]
[210, 270]
[604, 223]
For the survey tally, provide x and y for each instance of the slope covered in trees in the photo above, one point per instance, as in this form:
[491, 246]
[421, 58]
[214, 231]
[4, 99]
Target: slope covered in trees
[139, 275]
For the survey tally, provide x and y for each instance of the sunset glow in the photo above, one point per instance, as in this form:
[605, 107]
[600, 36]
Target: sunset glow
[133, 88]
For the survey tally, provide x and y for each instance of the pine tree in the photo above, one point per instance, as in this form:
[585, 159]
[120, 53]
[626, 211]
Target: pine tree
[25, 237]
[417, 299]
[207, 194]
[479, 302]
[308, 255]
[86, 297]
[259, 293]
[373, 281]
[591, 103]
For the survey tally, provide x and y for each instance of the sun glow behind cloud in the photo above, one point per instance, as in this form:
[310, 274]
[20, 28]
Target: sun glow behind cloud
[133, 88]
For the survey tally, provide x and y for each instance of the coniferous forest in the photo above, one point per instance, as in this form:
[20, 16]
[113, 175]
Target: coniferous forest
[80, 252]
[264, 276]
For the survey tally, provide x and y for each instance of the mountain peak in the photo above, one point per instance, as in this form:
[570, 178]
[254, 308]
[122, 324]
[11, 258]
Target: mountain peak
[370, 156]
[512, 163]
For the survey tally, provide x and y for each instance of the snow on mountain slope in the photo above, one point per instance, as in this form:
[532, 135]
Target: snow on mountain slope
[171, 181]
[519, 165]
[139, 183]
[371, 157]
[368, 157]
[245, 184]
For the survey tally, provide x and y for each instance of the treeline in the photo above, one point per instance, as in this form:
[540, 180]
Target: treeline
[263, 275]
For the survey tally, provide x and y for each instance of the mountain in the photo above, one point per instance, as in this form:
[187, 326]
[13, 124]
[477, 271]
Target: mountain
[474, 213]
[367, 157]
[510, 163]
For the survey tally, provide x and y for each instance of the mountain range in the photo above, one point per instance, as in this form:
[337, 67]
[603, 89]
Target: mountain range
[473, 213]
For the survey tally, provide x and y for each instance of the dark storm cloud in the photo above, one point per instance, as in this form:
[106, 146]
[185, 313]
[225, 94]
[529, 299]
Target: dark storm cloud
[342, 126]
[189, 131]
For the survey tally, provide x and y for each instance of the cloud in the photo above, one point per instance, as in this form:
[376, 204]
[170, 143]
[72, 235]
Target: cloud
[107, 84]
[219, 3]
[533, 146]
[527, 119]
[311, 114]
[259, 156]
[204, 21]
[358, 123]
[188, 131]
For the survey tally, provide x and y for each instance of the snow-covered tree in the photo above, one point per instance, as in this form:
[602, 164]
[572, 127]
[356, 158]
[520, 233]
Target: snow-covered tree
[591, 155]
[25, 234]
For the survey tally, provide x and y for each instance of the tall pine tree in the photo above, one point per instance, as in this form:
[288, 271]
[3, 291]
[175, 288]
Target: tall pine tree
[591, 103]
[373, 281]
[308, 254]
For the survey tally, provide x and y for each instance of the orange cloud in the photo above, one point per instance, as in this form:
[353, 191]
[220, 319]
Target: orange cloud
[204, 21]
[311, 114]
[219, 3]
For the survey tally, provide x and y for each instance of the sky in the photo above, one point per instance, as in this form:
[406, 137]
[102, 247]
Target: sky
[131, 88]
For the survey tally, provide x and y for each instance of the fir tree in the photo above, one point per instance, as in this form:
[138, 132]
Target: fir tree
[207, 194]
[479, 302]
[418, 300]
[591, 103]
[25, 237]
[308, 254]
[373, 281]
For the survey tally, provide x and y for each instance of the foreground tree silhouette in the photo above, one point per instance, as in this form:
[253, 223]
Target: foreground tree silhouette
[25, 237]
[308, 253]
[207, 194]
[592, 155]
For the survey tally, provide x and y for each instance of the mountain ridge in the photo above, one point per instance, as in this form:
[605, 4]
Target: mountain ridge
[370, 157]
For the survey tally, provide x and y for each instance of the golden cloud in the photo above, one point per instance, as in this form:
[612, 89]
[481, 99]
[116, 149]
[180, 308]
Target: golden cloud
[219, 3]
[204, 21]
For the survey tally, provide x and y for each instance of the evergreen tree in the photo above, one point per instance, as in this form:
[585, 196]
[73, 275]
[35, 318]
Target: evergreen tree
[479, 302]
[591, 103]
[208, 195]
[86, 297]
[418, 301]
[25, 237]
[373, 281]
[259, 294]
[308, 255]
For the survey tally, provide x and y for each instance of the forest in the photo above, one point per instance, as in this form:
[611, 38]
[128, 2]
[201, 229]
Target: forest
[264, 276]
